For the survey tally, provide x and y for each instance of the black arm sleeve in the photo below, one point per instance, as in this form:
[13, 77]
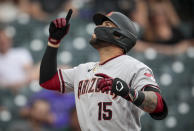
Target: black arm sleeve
[48, 67]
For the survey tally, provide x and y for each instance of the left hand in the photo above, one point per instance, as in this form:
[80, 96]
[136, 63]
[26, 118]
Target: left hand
[117, 86]
[104, 84]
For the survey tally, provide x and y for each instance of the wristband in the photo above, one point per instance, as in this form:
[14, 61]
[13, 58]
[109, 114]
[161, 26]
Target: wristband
[139, 99]
[53, 41]
[136, 97]
[53, 45]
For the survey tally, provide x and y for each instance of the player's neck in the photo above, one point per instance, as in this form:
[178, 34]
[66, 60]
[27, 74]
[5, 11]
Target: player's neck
[107, 53]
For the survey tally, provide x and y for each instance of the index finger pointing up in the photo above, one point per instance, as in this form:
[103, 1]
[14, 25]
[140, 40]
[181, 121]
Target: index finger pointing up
[69, 15]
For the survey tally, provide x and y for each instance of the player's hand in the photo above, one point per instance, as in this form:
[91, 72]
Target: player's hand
[120, 87]
[59, 28]
[104, 84]
[117, 86]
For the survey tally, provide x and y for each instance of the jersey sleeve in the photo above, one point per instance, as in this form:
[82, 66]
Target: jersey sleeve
[142, 78]
[66, 78]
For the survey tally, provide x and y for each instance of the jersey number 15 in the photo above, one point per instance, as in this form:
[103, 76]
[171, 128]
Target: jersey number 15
[103, 111]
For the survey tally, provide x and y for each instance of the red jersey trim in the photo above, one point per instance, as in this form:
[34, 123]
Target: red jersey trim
[110, 59]
[62, 82]
[52, 84]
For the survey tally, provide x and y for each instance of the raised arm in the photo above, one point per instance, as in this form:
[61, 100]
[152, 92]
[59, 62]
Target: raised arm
[48, 69]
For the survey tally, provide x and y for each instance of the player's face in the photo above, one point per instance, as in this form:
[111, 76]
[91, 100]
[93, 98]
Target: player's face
[96, 43]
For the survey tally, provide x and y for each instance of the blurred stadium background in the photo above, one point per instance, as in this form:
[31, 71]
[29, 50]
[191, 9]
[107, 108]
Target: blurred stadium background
[166, 44]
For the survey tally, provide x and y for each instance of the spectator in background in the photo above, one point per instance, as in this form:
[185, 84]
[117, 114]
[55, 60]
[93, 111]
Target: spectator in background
[162, 28]
[61, 106]
[159, 26]
[15, 64]
[39, 113]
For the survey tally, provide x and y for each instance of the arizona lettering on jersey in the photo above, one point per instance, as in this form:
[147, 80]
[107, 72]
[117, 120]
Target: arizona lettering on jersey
[99, 111]
[90, 86]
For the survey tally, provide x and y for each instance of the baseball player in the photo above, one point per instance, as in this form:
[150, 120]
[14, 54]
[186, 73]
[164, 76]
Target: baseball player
[110, 94]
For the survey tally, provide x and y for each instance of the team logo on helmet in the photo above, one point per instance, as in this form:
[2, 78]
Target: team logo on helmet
[109, 14]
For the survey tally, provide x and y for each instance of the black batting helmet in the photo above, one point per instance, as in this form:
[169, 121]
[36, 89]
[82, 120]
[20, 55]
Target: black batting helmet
[125, 30]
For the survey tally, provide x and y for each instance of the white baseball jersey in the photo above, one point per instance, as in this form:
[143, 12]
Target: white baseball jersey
[99, 111]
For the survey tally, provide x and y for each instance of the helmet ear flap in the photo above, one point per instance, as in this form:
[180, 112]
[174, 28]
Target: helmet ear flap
[126, 40]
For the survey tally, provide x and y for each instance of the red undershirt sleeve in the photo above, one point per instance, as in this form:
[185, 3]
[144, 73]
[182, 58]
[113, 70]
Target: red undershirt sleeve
[161, 110]
[160, 105]
[52, 84]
